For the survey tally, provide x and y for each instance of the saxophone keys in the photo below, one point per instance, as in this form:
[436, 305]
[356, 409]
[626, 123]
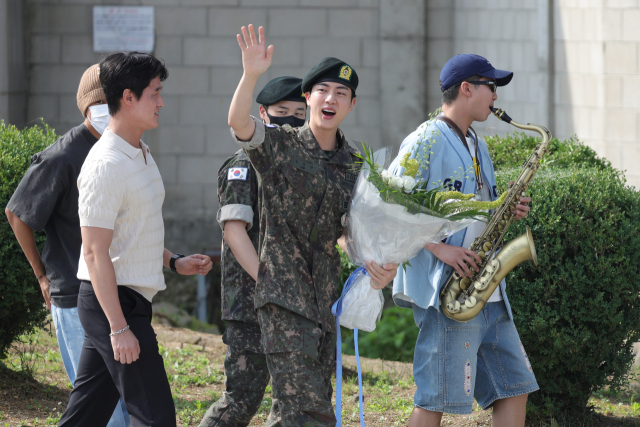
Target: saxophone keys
[470, 302]
[482, 254]
[486, 246]
[495, 263]
[495, 235]
[480, 286]
[464, 283]
[453, 307]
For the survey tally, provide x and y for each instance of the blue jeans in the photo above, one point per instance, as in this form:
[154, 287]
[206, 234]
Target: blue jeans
[70, 336]
[455, 362]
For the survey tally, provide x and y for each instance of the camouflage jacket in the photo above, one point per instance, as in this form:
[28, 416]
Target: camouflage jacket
[238, 197]
[304, 196]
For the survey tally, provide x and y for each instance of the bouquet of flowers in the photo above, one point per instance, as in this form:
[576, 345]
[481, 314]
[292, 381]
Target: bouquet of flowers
[391, 218]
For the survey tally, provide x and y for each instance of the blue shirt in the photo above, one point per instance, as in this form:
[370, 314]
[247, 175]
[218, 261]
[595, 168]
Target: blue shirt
[421, 283]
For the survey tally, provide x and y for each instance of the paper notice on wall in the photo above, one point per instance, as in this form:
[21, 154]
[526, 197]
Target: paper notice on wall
[118, 29]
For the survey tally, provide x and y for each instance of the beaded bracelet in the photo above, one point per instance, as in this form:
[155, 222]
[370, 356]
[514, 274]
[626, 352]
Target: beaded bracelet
[112, 334]
[40, 276]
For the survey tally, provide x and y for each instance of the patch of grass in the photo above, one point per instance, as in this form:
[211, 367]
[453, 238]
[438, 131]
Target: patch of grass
[192, 411]
[187, 366]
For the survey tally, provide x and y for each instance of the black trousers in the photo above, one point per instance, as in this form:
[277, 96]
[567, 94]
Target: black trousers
[101, 379]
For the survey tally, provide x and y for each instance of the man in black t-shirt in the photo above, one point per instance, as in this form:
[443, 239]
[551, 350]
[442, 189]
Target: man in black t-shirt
[47, 198]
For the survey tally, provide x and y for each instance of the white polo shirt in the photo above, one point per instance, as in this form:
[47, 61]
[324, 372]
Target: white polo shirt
[120, 188]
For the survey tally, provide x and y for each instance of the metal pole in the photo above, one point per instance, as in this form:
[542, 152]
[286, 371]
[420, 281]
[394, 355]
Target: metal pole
[203, 291]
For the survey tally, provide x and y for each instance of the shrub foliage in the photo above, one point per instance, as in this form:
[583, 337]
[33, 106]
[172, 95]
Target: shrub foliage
[513, 149]
[21, 302]
[577, 311]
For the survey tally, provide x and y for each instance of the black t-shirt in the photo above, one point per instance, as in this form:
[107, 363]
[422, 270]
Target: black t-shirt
[47, 198]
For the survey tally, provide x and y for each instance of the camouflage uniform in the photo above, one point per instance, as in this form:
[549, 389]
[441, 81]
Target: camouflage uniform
[245, 364]
[305, 193]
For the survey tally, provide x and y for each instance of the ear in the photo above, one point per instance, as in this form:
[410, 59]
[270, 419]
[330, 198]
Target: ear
[263, 114]
[128, 97]
[465, 89]
[353, 103]
[307, 95]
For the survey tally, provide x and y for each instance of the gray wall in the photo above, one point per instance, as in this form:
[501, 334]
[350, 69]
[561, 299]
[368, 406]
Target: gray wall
[575, 62]
[13, 79]
[381, 40]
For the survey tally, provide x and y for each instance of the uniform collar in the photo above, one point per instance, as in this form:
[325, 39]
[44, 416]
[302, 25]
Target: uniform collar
[124, 146]
[341, 157]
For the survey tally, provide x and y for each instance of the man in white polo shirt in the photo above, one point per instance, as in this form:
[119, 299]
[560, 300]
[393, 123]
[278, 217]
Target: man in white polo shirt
[120, 209]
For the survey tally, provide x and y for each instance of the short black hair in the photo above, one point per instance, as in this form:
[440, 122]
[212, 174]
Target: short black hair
[451, 93]
[128, 70]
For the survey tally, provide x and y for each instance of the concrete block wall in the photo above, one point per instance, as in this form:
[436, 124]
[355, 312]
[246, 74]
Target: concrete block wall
[504, 32]
[593, 58]
[598, 79]
[196, 38]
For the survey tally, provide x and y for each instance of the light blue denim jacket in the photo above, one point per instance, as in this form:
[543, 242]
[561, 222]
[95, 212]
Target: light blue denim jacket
[421, 283]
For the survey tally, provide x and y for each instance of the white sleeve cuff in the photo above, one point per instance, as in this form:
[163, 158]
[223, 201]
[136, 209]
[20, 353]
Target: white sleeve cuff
[235, 212]
[256, 140]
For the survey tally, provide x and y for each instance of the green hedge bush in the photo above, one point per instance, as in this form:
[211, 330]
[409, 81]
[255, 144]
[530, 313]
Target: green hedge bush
[513, 149]
[21, 304]
[578, 311]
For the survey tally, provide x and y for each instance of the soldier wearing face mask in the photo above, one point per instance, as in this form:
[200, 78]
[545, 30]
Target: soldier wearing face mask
[47, 198]
[282, 103]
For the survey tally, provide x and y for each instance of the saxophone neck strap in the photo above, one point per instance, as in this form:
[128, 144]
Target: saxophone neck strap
[476, 160]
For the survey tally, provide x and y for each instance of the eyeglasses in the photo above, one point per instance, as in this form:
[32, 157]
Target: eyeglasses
[493, 85]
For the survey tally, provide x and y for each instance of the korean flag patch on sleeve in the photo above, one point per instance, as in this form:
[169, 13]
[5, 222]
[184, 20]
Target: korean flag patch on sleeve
[239, 174]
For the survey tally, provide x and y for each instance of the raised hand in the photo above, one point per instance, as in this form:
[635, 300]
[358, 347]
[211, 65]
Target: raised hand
[256, 57]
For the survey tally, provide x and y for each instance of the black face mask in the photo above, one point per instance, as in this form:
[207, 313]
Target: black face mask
[292, 121]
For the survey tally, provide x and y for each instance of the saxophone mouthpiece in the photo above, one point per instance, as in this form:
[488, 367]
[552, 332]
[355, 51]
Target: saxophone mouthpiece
[499, 113]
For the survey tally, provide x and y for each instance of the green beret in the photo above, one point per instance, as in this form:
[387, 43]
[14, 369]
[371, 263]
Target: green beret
[331, 70]
[281, 89]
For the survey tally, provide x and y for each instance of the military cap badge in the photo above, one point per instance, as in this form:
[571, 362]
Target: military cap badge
[345, 73]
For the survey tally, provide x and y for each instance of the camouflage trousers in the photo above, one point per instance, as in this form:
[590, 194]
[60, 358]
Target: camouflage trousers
[246, 376]
[301, 360]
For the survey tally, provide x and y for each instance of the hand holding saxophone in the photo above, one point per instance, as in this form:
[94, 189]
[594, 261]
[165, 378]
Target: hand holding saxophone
[462, 259]
[522, 209]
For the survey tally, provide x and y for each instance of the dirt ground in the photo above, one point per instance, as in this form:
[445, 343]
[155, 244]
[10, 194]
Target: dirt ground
[194, 364]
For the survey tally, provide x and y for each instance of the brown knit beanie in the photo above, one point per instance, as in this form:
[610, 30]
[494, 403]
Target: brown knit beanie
[90, 89]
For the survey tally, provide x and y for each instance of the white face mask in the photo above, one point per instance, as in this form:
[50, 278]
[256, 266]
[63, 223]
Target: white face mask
[99, 117]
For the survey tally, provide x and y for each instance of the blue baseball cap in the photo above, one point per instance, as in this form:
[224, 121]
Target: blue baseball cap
[464, 65]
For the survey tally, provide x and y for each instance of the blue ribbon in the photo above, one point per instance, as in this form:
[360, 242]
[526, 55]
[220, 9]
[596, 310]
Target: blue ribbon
[336, 310]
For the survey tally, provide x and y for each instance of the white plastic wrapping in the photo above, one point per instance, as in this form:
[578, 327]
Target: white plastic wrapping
[385, 232]
[362, 305]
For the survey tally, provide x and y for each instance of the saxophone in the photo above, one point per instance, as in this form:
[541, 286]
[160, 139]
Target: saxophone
[462, 299]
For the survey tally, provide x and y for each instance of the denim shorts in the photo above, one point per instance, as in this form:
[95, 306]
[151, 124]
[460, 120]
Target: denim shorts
[455, 362]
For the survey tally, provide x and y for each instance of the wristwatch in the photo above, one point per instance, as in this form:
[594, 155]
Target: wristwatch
[172, 262]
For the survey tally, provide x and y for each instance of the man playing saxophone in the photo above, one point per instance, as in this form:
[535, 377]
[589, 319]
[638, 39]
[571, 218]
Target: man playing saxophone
[455, 362]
